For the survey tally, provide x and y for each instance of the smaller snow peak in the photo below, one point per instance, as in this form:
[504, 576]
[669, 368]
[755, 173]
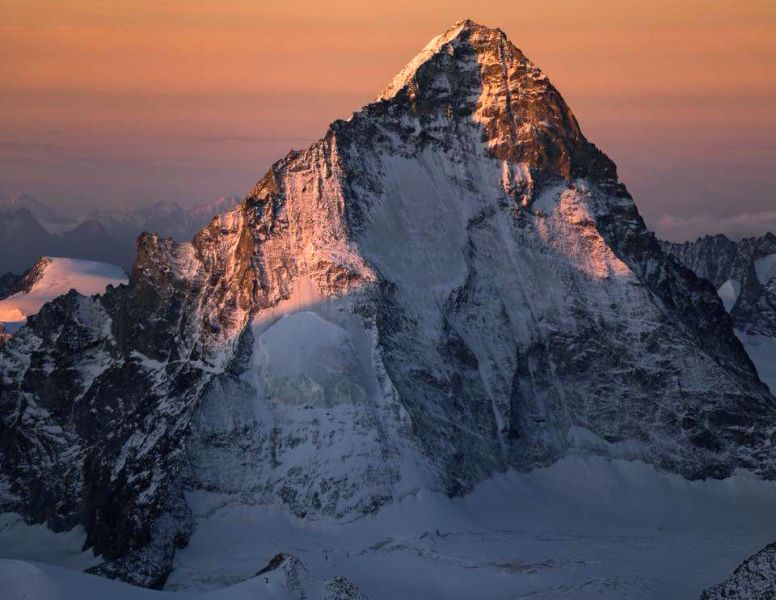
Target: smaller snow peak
[52, 277]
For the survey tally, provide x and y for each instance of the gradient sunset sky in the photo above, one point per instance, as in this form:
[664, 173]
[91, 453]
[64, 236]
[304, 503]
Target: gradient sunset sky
[105, 103]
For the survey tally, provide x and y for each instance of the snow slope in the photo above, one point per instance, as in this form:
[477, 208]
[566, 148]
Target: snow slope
[582, 528]
[729, 292]
[765, 268]
[762, 351]
[59, 276]
[39, 581]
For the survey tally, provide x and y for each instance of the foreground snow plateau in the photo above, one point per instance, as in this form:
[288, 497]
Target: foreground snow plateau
[582, 528]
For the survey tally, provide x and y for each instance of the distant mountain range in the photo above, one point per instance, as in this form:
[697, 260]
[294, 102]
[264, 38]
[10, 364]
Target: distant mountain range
[30, 229]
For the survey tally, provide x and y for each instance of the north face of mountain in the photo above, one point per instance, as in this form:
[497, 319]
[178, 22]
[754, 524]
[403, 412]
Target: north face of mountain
[449, 284]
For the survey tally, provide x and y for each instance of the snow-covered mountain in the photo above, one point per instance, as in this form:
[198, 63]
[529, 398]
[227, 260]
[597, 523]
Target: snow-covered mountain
[23, 240]
[51, 277]
[744, 274]
[450, 284]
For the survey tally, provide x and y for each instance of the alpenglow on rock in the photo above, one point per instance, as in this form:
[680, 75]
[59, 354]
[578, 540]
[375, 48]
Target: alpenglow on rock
[448, 284]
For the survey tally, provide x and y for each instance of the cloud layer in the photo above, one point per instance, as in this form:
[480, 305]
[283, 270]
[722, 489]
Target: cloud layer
[736, 226]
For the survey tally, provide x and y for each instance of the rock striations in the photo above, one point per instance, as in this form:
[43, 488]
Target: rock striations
[448, 284]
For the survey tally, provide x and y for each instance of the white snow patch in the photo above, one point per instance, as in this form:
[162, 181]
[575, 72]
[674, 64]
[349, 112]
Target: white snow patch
[21, 540]
[306, 359]
[765, 268]
[762, 351]
[729, 292]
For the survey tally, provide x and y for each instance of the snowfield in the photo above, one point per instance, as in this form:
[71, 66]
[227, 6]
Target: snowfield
[765, 268]
[762, 351]
[579, 529]
[729, 292]
[60, 275]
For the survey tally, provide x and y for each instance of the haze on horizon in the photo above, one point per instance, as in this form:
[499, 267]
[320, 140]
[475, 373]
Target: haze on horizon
[128, 103]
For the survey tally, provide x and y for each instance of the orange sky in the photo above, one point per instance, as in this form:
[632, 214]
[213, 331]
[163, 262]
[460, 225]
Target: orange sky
[133, 101]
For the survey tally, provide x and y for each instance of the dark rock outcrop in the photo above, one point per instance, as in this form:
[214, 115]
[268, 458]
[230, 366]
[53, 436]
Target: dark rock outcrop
[753, 579]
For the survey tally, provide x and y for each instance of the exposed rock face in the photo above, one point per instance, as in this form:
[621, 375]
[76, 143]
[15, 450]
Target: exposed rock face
[8, 284]
[754, 579]
[742, 272]
[31, 276]
[450, 283]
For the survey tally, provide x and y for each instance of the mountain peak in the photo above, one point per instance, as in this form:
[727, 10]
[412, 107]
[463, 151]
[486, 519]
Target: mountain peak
[459, 33]
[473, 73]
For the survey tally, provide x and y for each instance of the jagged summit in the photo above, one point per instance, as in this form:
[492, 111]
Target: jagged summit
[404, 77]
[473, 73]
[478, 38]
